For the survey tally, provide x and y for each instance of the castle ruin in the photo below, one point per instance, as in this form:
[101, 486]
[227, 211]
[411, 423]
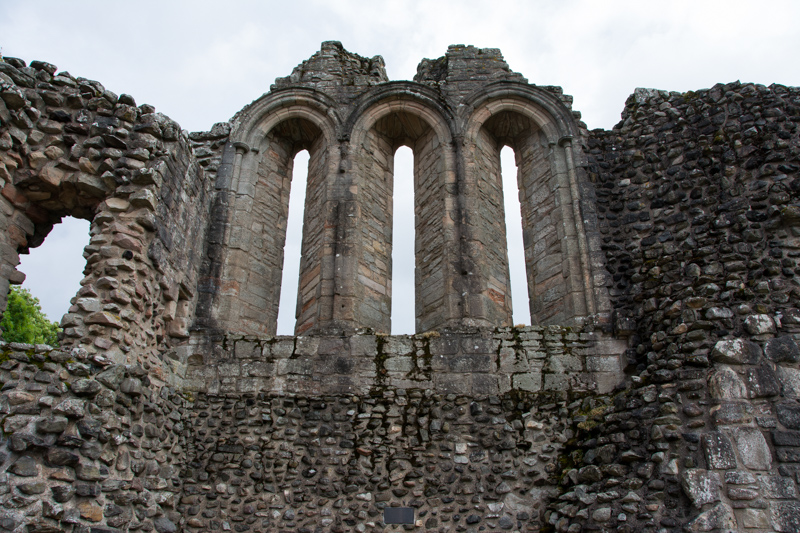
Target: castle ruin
[658, 389]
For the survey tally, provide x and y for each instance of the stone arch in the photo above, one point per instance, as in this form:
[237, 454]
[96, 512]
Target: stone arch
[401, 114]
[267, 136]
[91, 154]
[541, 130]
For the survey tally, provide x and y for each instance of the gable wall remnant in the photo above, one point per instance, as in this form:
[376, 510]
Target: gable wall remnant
[658, 388]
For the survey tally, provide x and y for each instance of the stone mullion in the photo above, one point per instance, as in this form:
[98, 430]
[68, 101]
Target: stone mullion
[433, 270]
[574, 301]
[488, 299]
[310, 286]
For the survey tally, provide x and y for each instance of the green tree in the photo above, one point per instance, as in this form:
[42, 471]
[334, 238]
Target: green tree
[24, 321]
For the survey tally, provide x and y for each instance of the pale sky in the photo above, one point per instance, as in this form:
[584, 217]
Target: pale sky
[200, 62]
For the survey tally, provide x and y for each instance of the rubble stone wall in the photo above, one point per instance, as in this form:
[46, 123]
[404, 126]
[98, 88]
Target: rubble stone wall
[696, 201]
[658, 389]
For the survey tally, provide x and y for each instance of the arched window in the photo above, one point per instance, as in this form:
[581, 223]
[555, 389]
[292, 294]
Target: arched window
[287, 310]
[53, 270]
[518, 280]
[375, 290]
[403, 244]
[253, 267]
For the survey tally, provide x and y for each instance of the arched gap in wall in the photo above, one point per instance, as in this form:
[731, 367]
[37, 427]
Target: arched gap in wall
[54, 270]
[521, 312]
[403, 244]
[292, 249]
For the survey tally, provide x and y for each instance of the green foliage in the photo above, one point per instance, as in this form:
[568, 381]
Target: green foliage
[24, 321]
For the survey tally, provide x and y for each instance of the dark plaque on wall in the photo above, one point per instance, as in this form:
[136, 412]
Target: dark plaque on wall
[398, 515]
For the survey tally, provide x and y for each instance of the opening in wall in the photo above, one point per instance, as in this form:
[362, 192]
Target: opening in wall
[403, 244]
[521, 313]
[54, 270]
[287, 309]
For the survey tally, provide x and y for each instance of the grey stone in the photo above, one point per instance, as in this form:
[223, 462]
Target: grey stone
[718, 451]
[752, 447]
[759, 324]
[86, 387]
[725, 384]
[782, 350]
[789, 414]
[785, 516]
[164, 525]
[53, 424]
[736, 351]
[762, 381]
[24, 466]
[112, 376]
[72, 408]
[701, 486]
[718, 517]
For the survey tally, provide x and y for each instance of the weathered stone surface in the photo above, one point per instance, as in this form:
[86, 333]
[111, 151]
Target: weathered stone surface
[718, 451]
[759, 324]
[736, 351]
[789, 414]
[718, 517]
[785, 516]
[752, 447]
[701, 486]
[725, 384]
[782, 350]
[665, 247]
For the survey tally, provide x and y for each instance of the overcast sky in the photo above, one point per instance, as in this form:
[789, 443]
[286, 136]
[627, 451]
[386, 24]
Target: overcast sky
[200, 62]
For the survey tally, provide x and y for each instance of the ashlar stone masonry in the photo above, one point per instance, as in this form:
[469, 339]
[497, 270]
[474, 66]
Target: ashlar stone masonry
[658, 389]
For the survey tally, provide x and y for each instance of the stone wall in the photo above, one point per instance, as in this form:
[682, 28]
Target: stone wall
[658, 389]
[72, 148]
[87, 444]
[695, 201]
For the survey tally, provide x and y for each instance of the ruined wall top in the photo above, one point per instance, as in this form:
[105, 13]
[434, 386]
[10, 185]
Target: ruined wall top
[333, 68]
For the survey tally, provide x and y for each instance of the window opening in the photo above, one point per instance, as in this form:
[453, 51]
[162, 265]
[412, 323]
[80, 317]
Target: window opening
[290, 277]
[403, 244]
[521, 313]
[54, 270]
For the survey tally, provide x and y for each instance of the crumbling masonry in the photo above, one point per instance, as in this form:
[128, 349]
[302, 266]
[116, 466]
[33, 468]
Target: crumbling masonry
[657, 390]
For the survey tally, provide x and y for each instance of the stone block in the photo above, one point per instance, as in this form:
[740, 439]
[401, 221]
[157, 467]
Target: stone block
[782, 350]
[785, 516]
[245, 349]
[719, 517]
[732, 413]
[752, 446]
[789, 379]
[470, 363]
[282, 348]
[778, 487]
[701, 486]
[789, 414]
[736, 351]
[529, 381]
[555, 382]
[366, 345]
[398, 346]
[402, 364]
[761, 381]
[759, 324]
[564, 363]
[755, 519]
[725, 384]
[786, 438]
[484, 385]
[604, 363]
[306, 346]
[718, 451]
